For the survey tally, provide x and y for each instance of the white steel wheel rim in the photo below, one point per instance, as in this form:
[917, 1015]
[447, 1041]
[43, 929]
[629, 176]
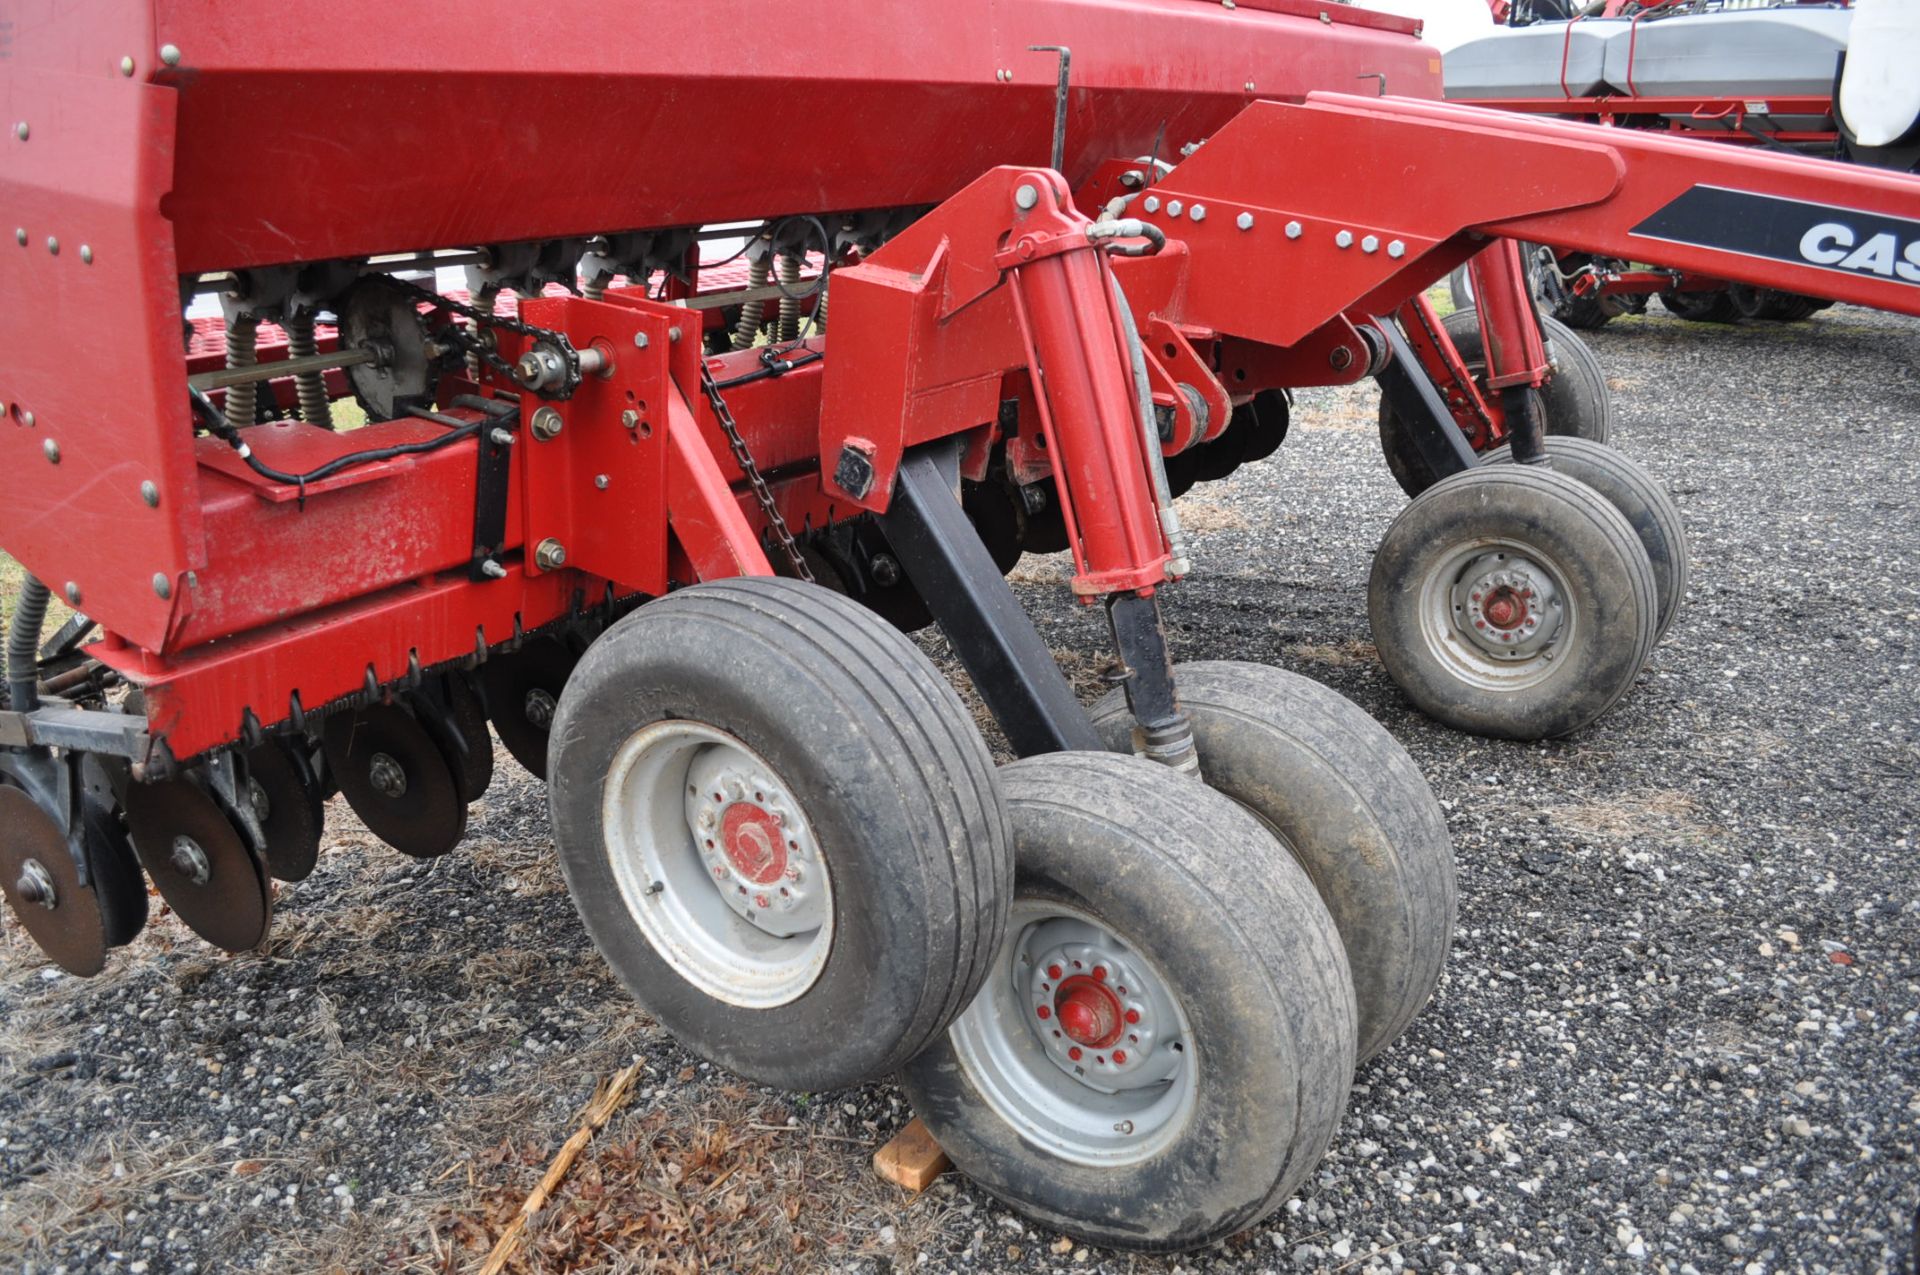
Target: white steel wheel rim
[717, 864]
[1106, 1113]
[1453, 619]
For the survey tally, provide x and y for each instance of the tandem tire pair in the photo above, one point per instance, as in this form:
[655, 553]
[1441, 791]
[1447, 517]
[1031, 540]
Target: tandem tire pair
[1522, 602]
[788, 839]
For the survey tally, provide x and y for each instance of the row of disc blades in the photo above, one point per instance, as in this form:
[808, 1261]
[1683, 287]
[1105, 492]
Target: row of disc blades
[409, 768]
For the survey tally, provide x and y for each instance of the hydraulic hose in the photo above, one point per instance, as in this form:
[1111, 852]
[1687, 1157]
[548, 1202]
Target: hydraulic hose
[1150, 437]
[23, 647]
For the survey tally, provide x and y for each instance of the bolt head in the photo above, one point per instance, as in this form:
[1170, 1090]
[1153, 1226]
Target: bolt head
[170, 54]
[1344, 239]
[1396, 249]
[21, 130]
[53, 245]
[673, 336]
[600, 481]
[630, 419]
[1294, 230]
[639, 340]
[162, 586]
[72, 592]
[126, 66]
[1175, 208]
[1198, 212]
[1370, 244]
[52, 451]
[1151, 203]
[20, 236]
[1026, 196]
[1244, 221]
[86, 253]
[26, 418]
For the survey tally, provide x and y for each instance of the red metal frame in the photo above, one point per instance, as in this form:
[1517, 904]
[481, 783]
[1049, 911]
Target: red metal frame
[1301, 222]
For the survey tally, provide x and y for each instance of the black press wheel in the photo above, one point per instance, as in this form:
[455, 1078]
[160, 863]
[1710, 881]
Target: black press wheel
[1574, 402]
[1512, 601]
[1702, 307]
[1165, 1041]
[1341, 794]
[1642, 498]
[781, 829]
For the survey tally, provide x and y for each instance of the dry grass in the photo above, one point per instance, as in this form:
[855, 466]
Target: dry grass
[12, 574]
[1346, 654]
[1665, 815]
[1343, 408]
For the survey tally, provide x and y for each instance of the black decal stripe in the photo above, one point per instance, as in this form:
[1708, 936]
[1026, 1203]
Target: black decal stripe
[1769, 227]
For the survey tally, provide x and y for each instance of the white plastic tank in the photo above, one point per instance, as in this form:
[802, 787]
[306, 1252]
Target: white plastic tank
[1880, 92]
[1532, 62]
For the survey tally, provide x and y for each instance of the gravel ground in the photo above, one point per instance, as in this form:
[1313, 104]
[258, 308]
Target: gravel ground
[1678, 1033]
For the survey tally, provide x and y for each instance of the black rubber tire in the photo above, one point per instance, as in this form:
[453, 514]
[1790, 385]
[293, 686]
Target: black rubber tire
[1227, 919]
[1702, 307]
[1772, 305]
[1645, 501]
[894, 779]
[1574, 402]
[1606, 572]
[1342, 795]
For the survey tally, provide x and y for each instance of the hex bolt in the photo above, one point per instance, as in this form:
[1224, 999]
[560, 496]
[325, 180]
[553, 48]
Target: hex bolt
[1244, 221]
[1293, 230]
[501, 437]
[26, 418]
[540, 707]
[630, 419]
[86, 254]
[601, 481]
[53, 245]
[20, 236]
[126, 66]
[170, 54]
[162, 586]
[1198, 212]
[551, 555]
[1174, 207]
[639, 340]
[1151, 203]
[52, 450]
[1026, 196]
[673, 336]
[1370, 244]
[492, 570]
[21, 130]
[547, 424]
[1396, 249]
[73, 594]
[1344, 239]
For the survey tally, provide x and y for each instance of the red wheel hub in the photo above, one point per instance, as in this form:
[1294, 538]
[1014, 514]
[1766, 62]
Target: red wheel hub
[1504, 608]
[754, 842]
[1088, 1011]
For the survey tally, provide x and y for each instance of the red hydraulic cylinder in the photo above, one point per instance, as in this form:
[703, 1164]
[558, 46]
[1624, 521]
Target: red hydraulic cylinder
[1089, 414]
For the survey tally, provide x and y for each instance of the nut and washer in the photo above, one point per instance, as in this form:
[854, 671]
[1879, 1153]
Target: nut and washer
[546, 424]
[551, 555]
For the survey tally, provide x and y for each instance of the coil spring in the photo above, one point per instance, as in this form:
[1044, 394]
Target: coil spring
[753, 313]
[311, 387]
[242, 408]
[789, 305]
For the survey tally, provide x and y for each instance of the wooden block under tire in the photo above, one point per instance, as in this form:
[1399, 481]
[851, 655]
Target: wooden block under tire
[912, 1159]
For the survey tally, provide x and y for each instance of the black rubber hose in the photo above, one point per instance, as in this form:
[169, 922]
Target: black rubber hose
[23, 647]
